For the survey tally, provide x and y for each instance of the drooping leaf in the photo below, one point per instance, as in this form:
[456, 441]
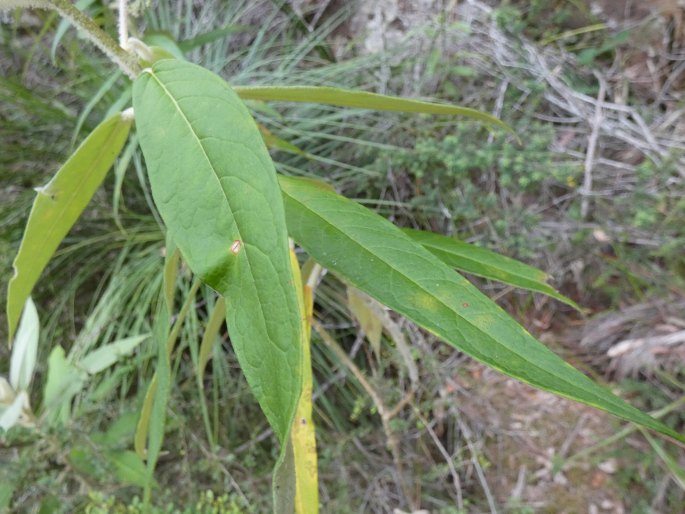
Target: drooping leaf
[23, 360]
[487, 264]
[59, 204]
[215, 187]
[375, 256]
[302, 434]
[365, 313]
[362, 100]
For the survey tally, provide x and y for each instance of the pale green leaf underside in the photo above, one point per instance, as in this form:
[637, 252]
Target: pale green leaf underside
[216, 189]
[362, 100]
[487, 264]
[375, 256]
[59, 204]
[25, 350]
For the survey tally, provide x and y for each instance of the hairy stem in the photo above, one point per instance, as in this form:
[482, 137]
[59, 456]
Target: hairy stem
[96, 35]
[123, 24]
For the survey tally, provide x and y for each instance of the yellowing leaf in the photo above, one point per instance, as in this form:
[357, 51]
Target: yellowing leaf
[302, 435]
[366, 314]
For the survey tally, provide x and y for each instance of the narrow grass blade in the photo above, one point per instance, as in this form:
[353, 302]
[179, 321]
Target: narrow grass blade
[676, 470]
[362, 100]
[59, 204]
[372, 254]
[216, 320]
[487, 264]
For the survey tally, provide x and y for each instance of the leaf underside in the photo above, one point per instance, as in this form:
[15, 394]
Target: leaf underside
[59, 204]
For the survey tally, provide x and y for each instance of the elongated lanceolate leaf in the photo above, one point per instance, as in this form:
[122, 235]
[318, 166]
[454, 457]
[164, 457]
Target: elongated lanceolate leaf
[362, 100]
[373, 255]
[487, 264]
[59, 204]
[215, 186]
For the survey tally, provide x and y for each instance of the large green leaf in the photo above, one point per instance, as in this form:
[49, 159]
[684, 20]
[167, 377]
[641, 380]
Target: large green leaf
[216, 189]
[360, 99]
[374, 255]
[487, 264]
[59, 204]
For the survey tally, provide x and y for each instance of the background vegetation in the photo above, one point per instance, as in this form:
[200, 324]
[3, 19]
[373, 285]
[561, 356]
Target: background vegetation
[594, 95]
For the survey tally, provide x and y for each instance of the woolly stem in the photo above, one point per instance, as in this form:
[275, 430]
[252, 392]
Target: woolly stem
[96, 35]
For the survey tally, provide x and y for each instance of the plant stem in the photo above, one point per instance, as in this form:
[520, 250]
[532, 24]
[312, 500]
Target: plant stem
[123, 24]
[97, 36]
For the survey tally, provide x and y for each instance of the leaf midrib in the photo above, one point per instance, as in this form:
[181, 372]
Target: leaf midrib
[619, 406]
[216, 176]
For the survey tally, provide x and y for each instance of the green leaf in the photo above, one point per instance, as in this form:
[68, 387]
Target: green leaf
[677, 472]
[361, 99]
[128, 467]
[375, 256]
[6, 493]
[487, 264]
[23, 360]
[59, 204]
[63, 383]
[166, 42]
[215, 186]
[158, 395]
[211, 36]
[102, 358]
